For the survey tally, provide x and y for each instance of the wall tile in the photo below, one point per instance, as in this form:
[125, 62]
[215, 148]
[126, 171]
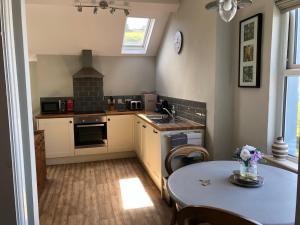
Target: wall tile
[188, 109]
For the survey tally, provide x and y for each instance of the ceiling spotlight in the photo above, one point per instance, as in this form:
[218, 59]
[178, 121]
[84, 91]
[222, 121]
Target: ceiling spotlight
[79, 8]
[95, 10]
[112, 10]
[103, 4]
[126, 11]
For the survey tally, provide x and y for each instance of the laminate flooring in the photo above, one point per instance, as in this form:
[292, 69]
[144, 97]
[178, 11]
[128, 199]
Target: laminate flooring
[90, 194]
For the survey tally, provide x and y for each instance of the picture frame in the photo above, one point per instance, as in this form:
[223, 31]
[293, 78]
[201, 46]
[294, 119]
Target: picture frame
[250, 51]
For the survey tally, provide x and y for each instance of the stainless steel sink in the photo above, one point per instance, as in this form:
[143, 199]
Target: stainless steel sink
[156, 117]
[166, 120]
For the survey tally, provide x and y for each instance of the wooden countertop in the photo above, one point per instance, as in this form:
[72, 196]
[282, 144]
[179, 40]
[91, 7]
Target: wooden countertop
[183, 125]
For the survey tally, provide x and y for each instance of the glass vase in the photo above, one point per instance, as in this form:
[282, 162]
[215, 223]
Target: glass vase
[248, 170]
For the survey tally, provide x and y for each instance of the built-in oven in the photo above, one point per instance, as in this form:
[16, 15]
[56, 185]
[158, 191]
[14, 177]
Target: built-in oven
[90, 131]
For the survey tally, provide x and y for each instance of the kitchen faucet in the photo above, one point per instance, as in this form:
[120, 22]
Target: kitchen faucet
[171, 114]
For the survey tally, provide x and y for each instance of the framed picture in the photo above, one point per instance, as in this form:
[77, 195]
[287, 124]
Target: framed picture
[250, 51]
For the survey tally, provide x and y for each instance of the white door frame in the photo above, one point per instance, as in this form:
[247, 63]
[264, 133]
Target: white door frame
[20, 141]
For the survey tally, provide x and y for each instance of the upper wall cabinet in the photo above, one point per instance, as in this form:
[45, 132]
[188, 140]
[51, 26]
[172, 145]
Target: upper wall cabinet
[59, 137]
[120, 133]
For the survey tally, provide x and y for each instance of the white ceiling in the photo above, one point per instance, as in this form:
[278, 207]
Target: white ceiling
[56, 28]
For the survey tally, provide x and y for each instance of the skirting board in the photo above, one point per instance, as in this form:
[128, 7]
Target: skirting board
[89, 158]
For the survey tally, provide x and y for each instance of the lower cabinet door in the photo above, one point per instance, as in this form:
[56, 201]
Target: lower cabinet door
[138, 137]
[156, 153]
[155, 156]
[59, 137]
[144, 142]
[120, 133]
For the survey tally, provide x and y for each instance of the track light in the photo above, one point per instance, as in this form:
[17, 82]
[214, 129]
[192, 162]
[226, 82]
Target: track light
[95, 10]
[112, 10]
[126, 11]
[103, 4]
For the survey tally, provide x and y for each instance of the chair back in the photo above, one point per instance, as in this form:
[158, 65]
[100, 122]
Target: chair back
[195, 215]
[185, 151]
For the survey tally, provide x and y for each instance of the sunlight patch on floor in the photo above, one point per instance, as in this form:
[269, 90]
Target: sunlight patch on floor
[134, 195]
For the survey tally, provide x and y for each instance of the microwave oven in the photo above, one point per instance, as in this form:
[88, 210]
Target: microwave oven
[53, 106]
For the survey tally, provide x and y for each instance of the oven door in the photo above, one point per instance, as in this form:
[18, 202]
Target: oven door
[90, 135]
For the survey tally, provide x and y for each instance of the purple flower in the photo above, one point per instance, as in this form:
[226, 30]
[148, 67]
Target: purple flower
[255, 157]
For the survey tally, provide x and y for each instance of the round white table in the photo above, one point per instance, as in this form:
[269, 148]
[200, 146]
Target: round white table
[272, 204]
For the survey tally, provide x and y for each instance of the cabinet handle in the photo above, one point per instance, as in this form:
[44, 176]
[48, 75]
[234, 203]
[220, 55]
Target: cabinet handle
[154, 131]
[108, 119]
[70, 122]
[138, 122]
[144, 126]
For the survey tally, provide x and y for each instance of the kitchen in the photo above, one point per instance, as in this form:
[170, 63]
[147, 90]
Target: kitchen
[89, 130]
[124, 91]
[102, 111]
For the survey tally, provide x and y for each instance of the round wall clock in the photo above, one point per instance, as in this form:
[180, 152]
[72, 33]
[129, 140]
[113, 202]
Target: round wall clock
[178, 41]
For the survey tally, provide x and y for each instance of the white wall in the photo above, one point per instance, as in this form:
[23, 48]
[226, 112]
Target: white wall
[34, 87]
[122, 75]
[255, 109]
[202, 72]
[223, 93]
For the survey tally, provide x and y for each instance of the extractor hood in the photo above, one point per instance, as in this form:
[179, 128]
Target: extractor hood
[87, 70]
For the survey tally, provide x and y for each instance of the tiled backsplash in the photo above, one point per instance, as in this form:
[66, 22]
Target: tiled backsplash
[88, 94]
[192, 110]
[123, 98]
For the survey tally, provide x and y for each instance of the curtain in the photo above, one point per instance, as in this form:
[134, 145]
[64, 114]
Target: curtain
[287, 5]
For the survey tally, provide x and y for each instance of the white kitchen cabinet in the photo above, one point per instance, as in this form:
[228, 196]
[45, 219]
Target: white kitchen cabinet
[155, 156]
[151, 151]
[120, 133]
[147, 147]
[59, 136]
[144, 142]
[138, 136]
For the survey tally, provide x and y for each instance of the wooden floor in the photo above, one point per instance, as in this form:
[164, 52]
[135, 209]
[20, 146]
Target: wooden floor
[89, 193]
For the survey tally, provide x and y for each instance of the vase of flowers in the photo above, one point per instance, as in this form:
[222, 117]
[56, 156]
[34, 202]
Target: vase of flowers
[248, 157]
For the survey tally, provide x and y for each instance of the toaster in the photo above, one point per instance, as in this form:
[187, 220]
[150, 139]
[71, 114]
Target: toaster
[134, 105]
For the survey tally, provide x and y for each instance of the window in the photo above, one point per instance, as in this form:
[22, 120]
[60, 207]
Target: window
[291, 129]
[137, 35]
[292, 114]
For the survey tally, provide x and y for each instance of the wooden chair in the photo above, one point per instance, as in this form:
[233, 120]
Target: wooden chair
[184, 151]
[195, 215]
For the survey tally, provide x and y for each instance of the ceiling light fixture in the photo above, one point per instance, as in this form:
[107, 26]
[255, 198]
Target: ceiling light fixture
[103, 4]
[95, 10]
[112, 10]
[227, 8]
[126, 11]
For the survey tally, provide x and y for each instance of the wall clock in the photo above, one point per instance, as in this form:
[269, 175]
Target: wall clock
[178, 41]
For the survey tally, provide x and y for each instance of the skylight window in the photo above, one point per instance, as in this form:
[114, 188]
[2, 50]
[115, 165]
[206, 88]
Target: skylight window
[137, 35]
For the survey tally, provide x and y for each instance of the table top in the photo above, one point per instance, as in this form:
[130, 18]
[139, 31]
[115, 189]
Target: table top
[272, 204]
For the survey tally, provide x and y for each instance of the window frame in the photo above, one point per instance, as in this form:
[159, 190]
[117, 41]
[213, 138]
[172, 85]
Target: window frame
[139, 49]
[291, 69]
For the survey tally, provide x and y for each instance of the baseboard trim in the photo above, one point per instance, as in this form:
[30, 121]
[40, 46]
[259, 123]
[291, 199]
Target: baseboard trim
[90, 158]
